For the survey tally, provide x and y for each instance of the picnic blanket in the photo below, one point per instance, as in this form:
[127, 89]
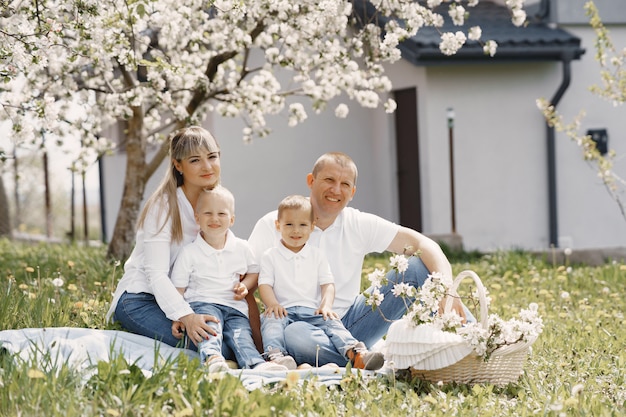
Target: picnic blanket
[82, 349]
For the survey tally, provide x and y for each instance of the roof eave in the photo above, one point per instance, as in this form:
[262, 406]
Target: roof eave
[433, 56]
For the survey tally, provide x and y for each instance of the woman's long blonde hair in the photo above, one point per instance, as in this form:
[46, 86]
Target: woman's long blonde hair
[183, 143]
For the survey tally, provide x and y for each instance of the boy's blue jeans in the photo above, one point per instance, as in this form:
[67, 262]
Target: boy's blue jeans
[233, 330]
[365, 324]
[273, 329]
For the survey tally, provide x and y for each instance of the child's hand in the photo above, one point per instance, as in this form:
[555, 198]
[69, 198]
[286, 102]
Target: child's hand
[240, 290]
[178, 329]
[276, 309]
[327, 313]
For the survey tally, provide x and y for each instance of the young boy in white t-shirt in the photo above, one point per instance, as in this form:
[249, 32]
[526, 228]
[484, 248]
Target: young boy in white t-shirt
[296, 284]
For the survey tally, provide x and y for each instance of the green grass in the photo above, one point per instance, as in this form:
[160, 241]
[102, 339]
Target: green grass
[576, 368]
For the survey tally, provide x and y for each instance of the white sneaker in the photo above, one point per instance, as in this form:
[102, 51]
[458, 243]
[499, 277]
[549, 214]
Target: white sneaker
[270, 366]
[276, 356]
[216, 364]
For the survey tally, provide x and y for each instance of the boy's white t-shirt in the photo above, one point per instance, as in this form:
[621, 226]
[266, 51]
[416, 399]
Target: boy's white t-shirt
[345, 243]
[209, 275]
[295, 277]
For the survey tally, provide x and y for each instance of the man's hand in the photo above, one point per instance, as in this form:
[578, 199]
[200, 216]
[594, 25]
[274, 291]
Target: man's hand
[456, 306]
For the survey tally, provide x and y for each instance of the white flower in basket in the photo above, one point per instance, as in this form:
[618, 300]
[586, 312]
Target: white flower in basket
[439, 346]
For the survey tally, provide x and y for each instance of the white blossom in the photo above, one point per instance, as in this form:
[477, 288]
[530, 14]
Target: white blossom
[403, 289]
[390, 105]
[519, 17]
[341, 111]
[376, 278]
[375, 298]
[297, 114]
[490, 47]
[451, 42]
[457, 14]
[399, 263]
[474, 33]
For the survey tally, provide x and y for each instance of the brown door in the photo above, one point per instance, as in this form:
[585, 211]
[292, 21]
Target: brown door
[407, 154]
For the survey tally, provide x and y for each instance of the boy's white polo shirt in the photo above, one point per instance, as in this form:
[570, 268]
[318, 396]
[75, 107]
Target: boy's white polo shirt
[295, 277]
[210, 274]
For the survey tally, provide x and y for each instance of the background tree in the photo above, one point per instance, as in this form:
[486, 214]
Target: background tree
[76, 67]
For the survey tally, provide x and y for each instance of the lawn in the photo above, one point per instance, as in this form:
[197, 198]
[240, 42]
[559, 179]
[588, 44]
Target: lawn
[577, 367]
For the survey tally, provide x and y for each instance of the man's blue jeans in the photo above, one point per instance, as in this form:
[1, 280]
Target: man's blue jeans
[233, 330]
[272, 329]
[308, 344]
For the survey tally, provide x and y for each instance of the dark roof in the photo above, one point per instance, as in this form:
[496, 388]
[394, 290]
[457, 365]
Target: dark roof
[537, 41]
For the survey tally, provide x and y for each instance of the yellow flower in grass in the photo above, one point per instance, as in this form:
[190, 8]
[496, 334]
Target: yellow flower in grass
[23, 286]
[35, 374]
[292, 378]
[184, 412]
[30, 269]
[70, 264]
[72, 287]
[112, 412]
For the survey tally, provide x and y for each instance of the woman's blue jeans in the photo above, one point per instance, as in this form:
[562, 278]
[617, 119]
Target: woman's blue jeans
[139, 313]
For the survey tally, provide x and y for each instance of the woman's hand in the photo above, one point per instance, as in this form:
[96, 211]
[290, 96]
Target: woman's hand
[196, 327]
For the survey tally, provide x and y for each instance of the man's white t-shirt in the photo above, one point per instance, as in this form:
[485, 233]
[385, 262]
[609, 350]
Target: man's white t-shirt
[345, 243]
[296, 278]
[209, 275]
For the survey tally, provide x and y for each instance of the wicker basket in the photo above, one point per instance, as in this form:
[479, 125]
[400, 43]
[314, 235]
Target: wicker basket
[455, 361]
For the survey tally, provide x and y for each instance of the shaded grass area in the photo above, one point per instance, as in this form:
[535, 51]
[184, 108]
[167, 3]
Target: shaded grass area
[576, 368]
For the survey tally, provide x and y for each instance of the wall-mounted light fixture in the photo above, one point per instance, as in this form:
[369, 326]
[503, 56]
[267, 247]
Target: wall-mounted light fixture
[601, 138]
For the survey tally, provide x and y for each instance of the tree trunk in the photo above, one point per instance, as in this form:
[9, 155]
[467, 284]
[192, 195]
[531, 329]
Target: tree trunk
[135, 180]
[5, 219]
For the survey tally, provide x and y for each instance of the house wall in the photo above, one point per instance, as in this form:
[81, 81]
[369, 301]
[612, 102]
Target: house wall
[499, 152]
[568, 12]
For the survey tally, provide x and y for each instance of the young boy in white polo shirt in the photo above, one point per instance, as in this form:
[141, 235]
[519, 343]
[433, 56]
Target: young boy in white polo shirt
[296, 284]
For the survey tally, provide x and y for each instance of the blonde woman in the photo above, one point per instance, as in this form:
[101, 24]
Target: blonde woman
[146, 301]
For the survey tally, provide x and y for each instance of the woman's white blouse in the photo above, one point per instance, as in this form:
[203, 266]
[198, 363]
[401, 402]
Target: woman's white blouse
[149, 266]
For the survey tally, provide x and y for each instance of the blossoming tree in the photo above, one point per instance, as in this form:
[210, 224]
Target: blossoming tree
[72, 68]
